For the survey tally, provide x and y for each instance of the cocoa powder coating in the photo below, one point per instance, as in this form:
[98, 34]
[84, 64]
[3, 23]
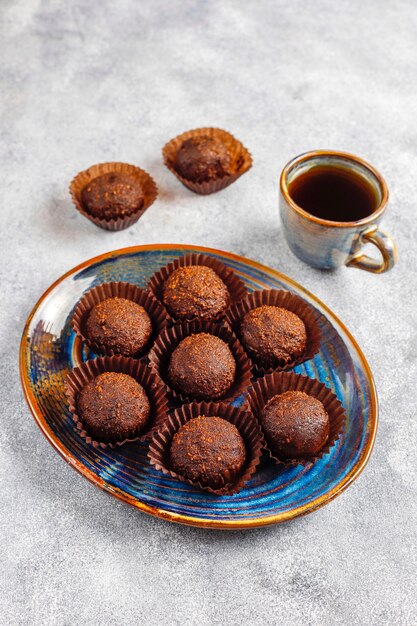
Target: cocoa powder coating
[112, 195]
[273, 336]
[202, 367]
[195, 291]
[203, 158]
[119, 325]
[208, 450]
[113, 407]
[295, 425]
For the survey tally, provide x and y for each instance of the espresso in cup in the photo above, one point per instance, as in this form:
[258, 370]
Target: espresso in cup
[331, 205]
[334, 193]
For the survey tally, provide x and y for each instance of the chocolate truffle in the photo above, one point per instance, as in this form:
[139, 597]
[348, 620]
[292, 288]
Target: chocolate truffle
[113, 407]
[203, 158]
[112, 195]
[273, 336]
[295, 425]
[208, 450]
[195, 291]
[202, 367]
[119, 325]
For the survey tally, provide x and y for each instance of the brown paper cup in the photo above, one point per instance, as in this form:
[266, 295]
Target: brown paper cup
[150, 192]
[247, 426]
[279, 382]
[80, 376]
[234, 284]
[120, 290]
[240, 156]
[169, 339]
[285, 300]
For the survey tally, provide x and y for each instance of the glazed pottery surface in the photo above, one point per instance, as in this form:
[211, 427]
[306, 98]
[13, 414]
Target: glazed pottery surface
[326, 244]
[49, 348]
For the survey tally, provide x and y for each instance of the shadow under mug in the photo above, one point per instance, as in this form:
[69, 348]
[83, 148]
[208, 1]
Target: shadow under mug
[329, 244]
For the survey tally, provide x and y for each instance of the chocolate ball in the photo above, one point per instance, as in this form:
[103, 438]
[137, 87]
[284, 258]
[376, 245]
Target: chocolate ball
[273, 336]
[195, 291]
[208, 450]
[113, 407]
[119, 325]
[112, 195]
[203, 158]
[202, 367]
[295, 425]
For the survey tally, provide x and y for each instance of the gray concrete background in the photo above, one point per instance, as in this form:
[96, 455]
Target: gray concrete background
[83, 82]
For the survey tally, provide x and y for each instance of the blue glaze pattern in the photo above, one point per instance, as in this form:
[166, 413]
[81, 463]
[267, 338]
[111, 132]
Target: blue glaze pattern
[48, 351]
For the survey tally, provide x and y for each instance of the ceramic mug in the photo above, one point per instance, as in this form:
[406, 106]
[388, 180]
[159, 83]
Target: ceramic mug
[329, 244]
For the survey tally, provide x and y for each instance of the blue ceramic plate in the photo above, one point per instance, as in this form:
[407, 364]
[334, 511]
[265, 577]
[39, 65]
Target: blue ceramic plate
[49, 349]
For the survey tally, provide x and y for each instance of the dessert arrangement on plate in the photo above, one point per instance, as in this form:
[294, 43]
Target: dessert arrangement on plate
[193, 372]
[197, 357]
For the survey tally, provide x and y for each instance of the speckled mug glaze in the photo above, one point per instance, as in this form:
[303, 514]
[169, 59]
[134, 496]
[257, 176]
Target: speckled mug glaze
[326, 244]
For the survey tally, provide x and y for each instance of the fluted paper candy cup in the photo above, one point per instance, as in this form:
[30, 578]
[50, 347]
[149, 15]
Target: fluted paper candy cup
[244, 421]
[85, 373]
[146, 182]
[234, 284]
[279, 382]
[290, 302]
[124, 290]
[241, 159]
[169, 339]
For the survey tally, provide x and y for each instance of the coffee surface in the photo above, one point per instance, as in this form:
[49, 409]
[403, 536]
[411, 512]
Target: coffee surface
[334, 193]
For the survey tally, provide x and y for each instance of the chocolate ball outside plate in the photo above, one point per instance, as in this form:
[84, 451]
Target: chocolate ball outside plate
[273, 336]
[119, 325]
[113, 407]
[195, 291]
[295, 425]
[112, 195]
[208, 450]
[202, 367]
[203, 158]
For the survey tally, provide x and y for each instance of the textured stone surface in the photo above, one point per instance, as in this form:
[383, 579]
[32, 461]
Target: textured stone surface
[83, 82]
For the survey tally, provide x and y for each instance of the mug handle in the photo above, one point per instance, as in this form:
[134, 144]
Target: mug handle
[385, 245]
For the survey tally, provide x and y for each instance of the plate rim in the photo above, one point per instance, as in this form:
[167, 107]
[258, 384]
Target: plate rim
[178, 517]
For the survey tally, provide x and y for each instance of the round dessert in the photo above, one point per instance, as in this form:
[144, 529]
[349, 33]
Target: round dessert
[208, 450]
[202, 367]
[295, 425]
[119, 325]
[203, 158]
[112, 195]
[195, 291]
[273, 336]
[113, 407]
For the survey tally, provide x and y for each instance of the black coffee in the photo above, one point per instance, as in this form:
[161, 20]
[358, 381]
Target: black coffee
[334, 193]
